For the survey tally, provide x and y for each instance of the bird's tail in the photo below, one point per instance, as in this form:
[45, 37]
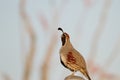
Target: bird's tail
[85, 73]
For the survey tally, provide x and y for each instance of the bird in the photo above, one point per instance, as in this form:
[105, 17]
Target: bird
[70, 57]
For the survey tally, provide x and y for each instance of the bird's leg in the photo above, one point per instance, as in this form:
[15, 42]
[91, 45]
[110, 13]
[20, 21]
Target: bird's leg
[73, 73]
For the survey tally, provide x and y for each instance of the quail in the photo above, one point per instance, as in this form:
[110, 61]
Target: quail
[70, 57]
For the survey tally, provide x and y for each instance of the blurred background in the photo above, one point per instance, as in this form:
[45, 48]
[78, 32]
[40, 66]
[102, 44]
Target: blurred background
[30, 41]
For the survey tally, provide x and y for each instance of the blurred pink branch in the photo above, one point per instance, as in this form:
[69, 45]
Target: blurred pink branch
[47, 59]
[55, 19]
[6, 76]
[114, 54]
[98, 32]
[43, 21]
[28, 27]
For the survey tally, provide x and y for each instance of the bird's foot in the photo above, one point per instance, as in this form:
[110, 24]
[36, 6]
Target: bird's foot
[73, 73]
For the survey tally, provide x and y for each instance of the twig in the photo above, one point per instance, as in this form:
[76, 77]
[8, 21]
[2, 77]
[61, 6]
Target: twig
[31, 53]
[98, 32]
[113, 55]
[6, 76]
[46, 62]
[48, 57]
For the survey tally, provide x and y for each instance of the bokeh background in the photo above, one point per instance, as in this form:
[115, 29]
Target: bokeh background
[30, 41]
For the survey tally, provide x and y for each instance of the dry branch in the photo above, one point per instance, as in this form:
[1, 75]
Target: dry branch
[47, 59]
[28, 27]
[6, 76]
[98, 32]
[113, 55]
[55, 20]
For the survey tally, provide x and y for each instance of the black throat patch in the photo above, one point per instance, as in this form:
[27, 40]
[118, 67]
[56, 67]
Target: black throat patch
[63, 39]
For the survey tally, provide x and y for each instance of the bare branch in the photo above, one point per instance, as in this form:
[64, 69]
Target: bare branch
[28, 27]
[48, 57]
[98, 32]
[113, 54]
[6, 76]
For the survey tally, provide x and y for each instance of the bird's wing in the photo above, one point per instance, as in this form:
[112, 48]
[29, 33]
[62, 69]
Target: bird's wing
[79, 59]
[81, 63]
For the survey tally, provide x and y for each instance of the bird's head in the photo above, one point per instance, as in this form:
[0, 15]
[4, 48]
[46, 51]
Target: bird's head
[64, 37]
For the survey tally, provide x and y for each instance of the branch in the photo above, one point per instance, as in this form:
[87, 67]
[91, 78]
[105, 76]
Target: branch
[113, 55]
[98, 32]
[48, 57]
[28, 27]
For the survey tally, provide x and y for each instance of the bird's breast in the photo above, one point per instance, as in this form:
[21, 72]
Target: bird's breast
[71, 58]
[68, 57]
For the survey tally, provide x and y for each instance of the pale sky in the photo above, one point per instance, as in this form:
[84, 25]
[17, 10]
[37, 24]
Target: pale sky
[10, 34]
